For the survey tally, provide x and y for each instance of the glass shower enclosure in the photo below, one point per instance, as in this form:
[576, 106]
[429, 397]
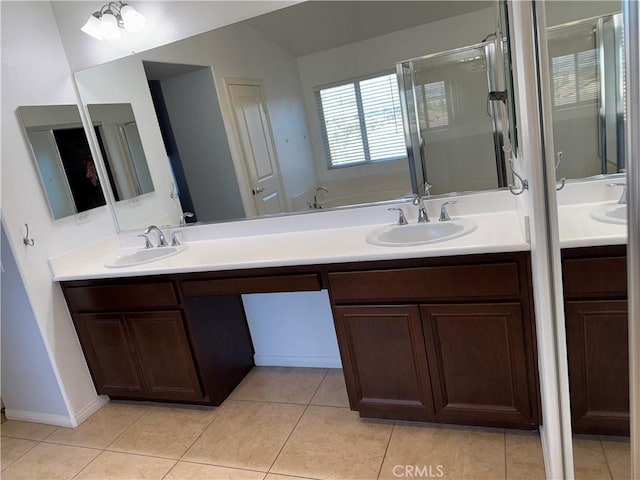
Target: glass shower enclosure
[456, 109]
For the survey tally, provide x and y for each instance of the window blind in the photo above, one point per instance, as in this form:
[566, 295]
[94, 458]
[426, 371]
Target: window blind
[361, 121]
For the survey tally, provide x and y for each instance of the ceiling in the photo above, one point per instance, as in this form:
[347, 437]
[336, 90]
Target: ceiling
[315, 26]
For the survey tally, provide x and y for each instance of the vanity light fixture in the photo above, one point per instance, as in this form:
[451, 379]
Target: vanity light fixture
[107, 22]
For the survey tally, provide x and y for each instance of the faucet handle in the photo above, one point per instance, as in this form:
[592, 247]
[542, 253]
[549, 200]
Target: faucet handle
[174, 238]
[444, 215]
[402, 220]
[623, 197]
[147, 243]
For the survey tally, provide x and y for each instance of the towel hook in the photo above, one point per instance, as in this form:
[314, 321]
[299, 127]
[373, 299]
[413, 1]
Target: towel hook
[560, 156]
[524, 183]
[29, 242]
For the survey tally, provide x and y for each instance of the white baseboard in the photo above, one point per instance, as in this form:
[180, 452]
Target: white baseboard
[58, 420]
[36, 417]
[89, 410]
[295, 361]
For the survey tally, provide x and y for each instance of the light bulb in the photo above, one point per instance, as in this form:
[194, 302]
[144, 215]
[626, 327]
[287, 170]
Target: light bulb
[109, 26]
[133, 20]
[92, 27]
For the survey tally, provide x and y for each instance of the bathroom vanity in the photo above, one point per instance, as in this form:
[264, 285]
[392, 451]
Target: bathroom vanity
[444, 339]
[443, 332]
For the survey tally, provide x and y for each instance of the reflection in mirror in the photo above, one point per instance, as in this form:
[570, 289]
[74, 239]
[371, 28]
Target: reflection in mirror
[63, 158]
[586, 64]
[121, 150]
[266, 116]
[459, 103]
[586, 69]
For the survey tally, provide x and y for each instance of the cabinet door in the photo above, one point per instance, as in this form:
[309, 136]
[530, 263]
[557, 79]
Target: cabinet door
[477, 359]
[597, 345]
[110, 354]
[384, 361]
[165, 356]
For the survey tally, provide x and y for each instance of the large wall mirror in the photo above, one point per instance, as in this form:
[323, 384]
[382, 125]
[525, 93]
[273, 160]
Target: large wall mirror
[318, 105]
[63, 158]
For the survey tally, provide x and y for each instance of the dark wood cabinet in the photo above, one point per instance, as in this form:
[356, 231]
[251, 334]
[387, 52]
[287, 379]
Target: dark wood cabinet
[164, 354]
[139, 354]
[110, 354]
[445, 340]
[144, 340]
[386, 363]
[597, 339]
[478, 362]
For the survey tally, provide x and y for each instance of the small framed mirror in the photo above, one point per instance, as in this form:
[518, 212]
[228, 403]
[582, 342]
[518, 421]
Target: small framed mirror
[63, 158]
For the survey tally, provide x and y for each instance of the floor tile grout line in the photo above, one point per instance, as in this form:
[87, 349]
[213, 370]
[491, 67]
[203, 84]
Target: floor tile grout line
[71, 445]
[215, 417]
[36, 443]
[89, 463]
[326, 372]
[386, 449]
[279, 403]
[169, 471]
[606, 460]
[205, 464]
[287, 439]
[147, 410]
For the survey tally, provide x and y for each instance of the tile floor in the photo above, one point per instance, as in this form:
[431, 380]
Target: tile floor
[282, 424]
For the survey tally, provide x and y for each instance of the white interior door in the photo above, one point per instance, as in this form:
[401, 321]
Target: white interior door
[258, 152]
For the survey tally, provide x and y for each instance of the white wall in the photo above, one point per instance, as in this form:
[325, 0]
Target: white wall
[29, 383]
[198, 129]
[379, 55]
[292, 329]
[35, 72]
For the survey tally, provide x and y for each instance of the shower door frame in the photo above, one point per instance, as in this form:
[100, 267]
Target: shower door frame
[496, 81]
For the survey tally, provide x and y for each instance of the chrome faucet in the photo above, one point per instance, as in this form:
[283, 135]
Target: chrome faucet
[423, 217]
[162, 242]
[402, 220]
[315, 205]
[184, 216]
[444, 215]
[623, 197]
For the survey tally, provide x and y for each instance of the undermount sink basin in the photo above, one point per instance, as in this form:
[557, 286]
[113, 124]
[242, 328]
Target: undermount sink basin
[144, 256]
[420, 233]
[610, 213]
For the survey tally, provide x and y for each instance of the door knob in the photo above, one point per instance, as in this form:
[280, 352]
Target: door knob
[257, 190]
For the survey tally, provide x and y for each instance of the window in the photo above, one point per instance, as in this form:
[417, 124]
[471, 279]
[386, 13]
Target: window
[575, 78]
[361, 121]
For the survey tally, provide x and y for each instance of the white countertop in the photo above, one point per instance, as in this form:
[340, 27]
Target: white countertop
[496, 232]
[578, 229]
[338, 236]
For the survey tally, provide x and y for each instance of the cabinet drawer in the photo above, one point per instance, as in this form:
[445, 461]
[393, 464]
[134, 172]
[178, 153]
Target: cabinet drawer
[589, 276]
[121, 297]
[500, 280]
[267, 284]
